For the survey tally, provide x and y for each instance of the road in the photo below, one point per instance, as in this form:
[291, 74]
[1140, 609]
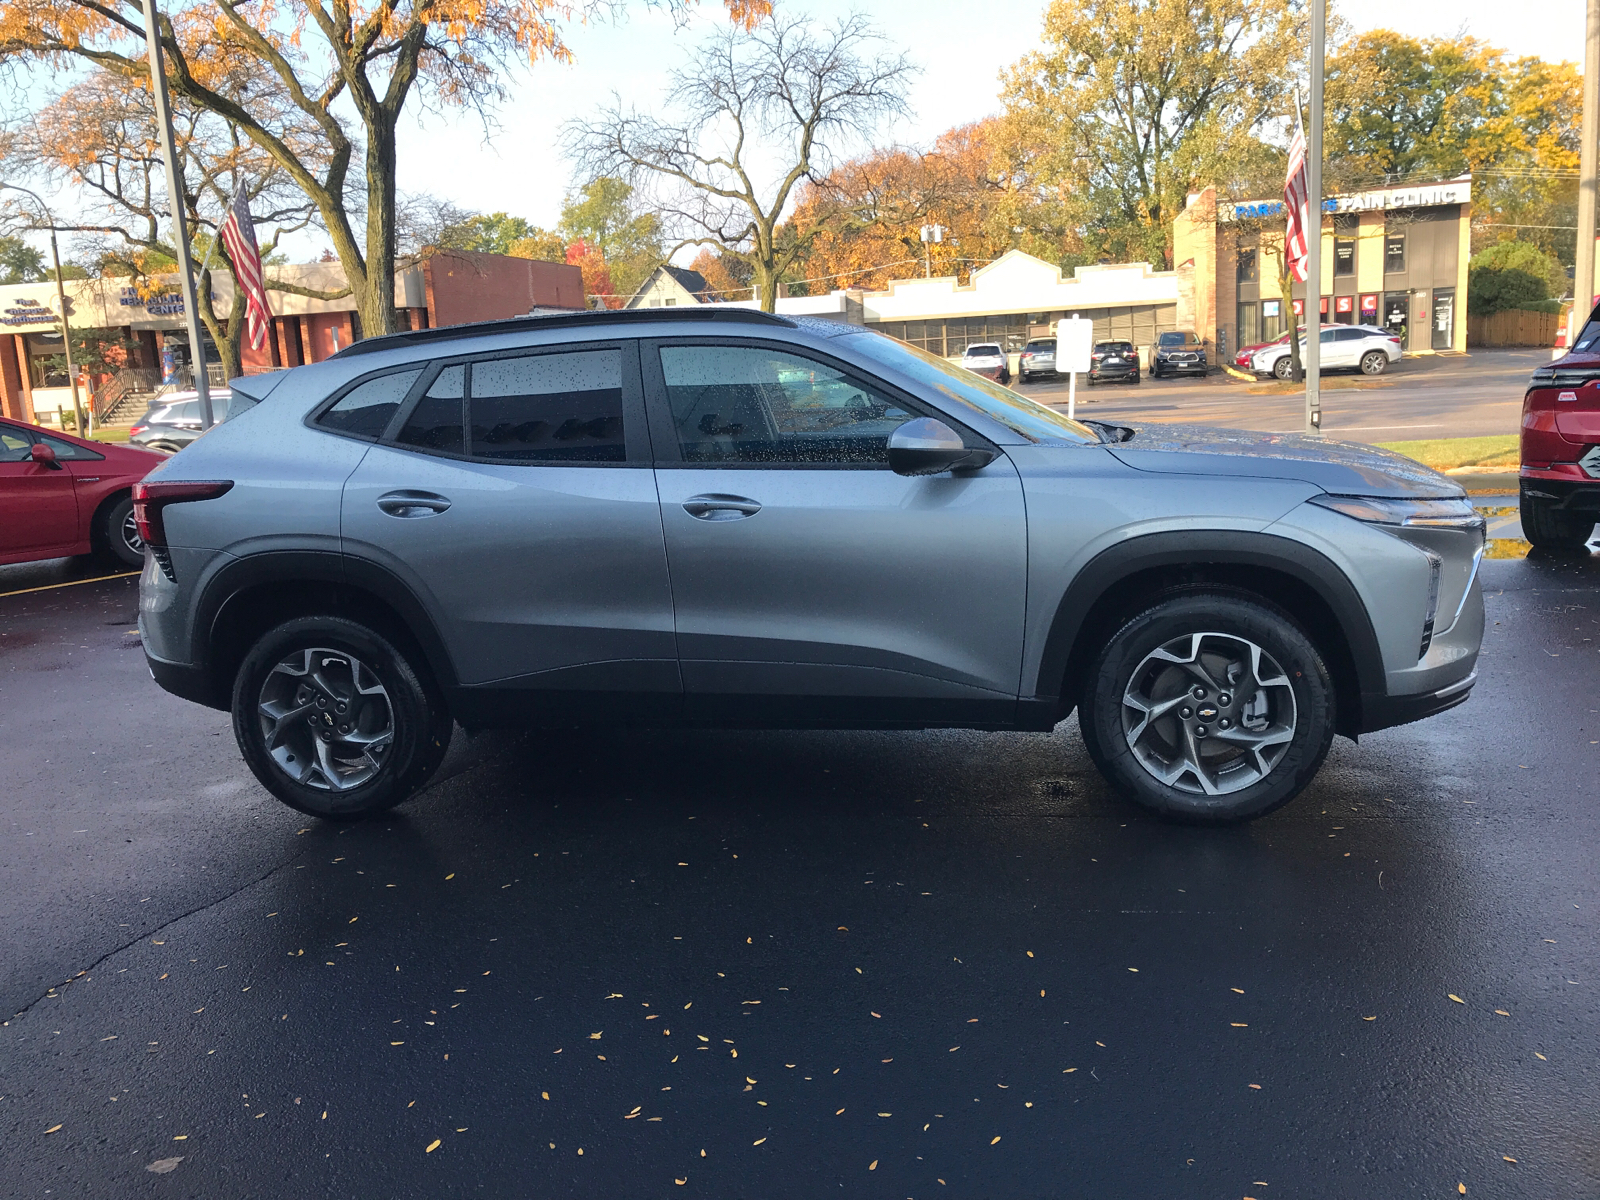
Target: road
[1428, 397]
[798, 964]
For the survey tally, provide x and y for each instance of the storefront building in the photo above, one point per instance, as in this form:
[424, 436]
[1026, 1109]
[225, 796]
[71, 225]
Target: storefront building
[1395, 257]
[151, 340]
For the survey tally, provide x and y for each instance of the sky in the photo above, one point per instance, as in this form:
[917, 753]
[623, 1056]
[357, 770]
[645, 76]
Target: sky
[517, 166]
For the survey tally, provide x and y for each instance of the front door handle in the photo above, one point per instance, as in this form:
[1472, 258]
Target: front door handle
[412, 504]
[717, 507]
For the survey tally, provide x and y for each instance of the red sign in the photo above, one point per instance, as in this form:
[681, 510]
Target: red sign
[1323, 307]
[1344, 304]
[1369, 304]
[1299, 308]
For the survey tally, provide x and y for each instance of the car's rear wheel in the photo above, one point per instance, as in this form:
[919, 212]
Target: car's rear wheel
[1552, 528]
[1374, 362]
[1209, 707]
[119, 534]
[1283, 368]
[335, 720]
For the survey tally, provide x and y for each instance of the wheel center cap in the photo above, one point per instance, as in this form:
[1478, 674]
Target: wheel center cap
[1207, 713]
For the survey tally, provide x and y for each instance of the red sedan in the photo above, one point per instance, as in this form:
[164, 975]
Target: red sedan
[63, 495]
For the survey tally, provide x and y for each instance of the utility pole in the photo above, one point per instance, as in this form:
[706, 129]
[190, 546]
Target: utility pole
[1583, 274]
[931, 234]
[1313, 363]
[180, 232]
[61, 297]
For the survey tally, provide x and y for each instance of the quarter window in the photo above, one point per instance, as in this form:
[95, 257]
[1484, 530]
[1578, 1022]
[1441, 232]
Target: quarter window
[435, 422]
[750, 405]
[548, 408]
[366, 409]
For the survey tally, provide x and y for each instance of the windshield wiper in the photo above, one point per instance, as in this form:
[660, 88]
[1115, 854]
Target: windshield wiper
[1107, 432]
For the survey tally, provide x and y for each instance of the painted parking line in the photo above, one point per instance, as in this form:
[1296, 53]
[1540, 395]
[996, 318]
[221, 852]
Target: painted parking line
[69, 583]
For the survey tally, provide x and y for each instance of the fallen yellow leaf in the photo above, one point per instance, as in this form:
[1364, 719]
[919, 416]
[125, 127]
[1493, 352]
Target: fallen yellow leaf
[1456, 998]
[1508, 1158]
[1500, 1012]
[434, 1145]
[873, 1165]
[1254, 1087]
[994, 1139]
[758, 1141]
[1540, 1057]
[1239, 990]
[1462, 1188]
[53, 1128]
[544, 1095]
[1369, 1018]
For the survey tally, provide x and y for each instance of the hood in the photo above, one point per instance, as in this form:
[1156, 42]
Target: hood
[1342, 468]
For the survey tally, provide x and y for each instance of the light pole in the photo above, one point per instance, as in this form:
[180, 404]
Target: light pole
[1583, 288]
[930, 234]
[1313, 362]
[61, 296]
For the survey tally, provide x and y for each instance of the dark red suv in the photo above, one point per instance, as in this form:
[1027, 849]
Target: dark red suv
[1561, 446]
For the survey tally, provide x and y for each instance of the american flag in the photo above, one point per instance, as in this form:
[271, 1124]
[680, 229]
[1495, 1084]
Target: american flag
[239, 235]
[1295, 190]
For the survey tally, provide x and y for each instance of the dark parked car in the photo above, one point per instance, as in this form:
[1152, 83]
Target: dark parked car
[1038, 357]
[1176, 353]
[1113, 360]
[724, 518]
[173, 421]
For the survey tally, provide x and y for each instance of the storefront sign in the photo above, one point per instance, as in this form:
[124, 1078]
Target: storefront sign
[168, 304]
[1344, 304]
[1269, 308]
[28, 312]
[1456, 191]
[1369, 304]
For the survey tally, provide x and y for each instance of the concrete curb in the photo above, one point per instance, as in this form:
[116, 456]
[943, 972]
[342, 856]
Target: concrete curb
[1487, 482]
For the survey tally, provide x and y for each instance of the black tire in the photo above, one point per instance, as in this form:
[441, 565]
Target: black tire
[1552, 528]
[417, 718]
[118, 536]
[1134, 378]
[1230, 618]
[1374, 362]
[164, 447]
[1283, 368]
[1155, 373]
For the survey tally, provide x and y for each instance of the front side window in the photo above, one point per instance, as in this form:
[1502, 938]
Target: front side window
[15, 446]
[548, 408]
[754, 405]
[67, 451]
[366, 409]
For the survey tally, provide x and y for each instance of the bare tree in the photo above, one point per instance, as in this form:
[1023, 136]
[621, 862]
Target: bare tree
[752, 115]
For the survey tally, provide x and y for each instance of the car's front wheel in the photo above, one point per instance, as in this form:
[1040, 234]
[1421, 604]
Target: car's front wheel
[1209, 707]
[1552, 528]
[335, 720]
[1283, 368]
[119, 534]
[1374, 362]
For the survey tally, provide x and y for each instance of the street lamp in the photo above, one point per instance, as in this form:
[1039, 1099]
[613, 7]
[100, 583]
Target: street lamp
[61, 295]
[930, 234]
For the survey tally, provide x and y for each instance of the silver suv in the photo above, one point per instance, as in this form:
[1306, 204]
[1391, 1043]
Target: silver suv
[727, 518]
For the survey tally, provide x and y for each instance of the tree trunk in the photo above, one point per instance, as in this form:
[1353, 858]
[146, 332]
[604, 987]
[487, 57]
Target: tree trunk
[229, 340]
[375, 297]
[765, 281]
[1286, 285]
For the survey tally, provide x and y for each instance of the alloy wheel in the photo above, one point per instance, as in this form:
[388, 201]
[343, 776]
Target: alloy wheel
[1209, 713]
[326, 719]
[129, 533]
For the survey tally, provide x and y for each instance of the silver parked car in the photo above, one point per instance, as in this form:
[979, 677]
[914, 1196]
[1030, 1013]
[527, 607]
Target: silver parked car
[728, 518]
[1364, 348]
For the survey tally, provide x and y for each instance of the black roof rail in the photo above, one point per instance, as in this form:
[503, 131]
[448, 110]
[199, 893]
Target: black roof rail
[619, 316]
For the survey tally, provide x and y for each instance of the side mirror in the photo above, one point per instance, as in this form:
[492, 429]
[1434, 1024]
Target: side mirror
[45, 456]
[926, 446]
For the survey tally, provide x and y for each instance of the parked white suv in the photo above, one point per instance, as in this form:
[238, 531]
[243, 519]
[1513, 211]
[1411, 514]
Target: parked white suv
[1364, 348]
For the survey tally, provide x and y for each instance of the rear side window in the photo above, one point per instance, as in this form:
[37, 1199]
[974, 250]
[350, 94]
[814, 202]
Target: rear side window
[366, 409]
[436, 421]
[548, 408]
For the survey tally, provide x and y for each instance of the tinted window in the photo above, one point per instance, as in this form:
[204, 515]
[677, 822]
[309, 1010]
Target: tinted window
[1114, 347]
[366, 409]
[15, 446]
[1047, 344]
[1170, 339]
[1350, 335]
[549, 408]
[436, 423]
[187, 410]
[67, 451]
[744, 404]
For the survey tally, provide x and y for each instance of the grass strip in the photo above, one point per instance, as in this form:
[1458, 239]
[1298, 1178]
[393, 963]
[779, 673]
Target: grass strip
[1444, 454]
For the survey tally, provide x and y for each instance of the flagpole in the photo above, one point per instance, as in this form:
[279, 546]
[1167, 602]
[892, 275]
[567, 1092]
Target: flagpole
[1313, 363]
[180, 233]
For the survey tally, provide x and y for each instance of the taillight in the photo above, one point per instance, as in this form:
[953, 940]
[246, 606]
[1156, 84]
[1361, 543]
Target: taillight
[135, 430]
[151, 496]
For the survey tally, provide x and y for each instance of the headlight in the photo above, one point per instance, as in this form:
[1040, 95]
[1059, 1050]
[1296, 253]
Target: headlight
[1438, 514]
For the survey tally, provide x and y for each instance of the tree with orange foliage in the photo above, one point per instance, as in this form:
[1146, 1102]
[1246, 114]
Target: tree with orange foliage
[369, 56]
[974, 183]
[596, 274]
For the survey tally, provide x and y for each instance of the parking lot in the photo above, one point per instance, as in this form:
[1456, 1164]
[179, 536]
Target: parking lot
[796, 964]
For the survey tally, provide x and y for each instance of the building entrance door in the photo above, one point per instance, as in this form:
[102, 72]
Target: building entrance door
[1444, 318]
[1397, 314]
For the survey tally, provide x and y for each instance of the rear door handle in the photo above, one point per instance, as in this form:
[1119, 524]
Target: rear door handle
[717, 507]
[412, 504]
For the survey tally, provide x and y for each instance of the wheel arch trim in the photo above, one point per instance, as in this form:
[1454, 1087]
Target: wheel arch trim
[1228, 548]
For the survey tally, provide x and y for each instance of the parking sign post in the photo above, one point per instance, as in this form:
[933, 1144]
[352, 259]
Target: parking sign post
[1074, 344]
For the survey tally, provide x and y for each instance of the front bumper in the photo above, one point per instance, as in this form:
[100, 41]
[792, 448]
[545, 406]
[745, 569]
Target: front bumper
[1569, 494]
[1199, 367]
[1385, 712]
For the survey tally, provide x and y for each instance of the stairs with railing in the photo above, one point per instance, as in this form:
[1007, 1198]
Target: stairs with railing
[125, 396]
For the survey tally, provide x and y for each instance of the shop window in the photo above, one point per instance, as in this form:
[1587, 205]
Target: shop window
[1344, 256]
[1394, 254]
[1246, 271]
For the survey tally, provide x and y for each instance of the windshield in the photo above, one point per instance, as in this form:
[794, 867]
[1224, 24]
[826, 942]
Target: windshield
[1017, 413]
[1170, 339]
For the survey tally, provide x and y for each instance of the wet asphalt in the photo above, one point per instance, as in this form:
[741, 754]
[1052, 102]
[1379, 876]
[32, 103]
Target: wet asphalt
[636, 964]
